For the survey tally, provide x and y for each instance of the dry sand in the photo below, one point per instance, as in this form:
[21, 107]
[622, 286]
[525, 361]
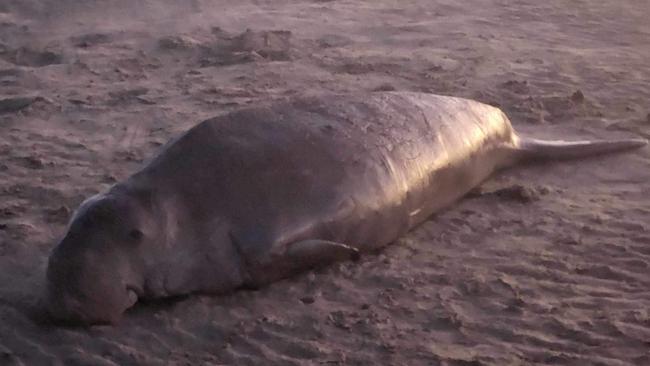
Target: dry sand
[546, 264]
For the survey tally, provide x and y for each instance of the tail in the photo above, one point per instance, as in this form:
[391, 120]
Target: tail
[533, 149]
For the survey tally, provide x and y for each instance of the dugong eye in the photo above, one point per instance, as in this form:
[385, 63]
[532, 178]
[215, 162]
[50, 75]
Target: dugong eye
[136, 234]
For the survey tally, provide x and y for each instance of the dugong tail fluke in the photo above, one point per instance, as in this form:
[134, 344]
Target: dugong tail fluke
[533, 149]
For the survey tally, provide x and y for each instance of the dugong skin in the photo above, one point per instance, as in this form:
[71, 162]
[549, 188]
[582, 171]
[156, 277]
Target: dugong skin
[257, 195]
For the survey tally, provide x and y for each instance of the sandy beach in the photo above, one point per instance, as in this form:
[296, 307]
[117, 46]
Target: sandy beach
[545, 264]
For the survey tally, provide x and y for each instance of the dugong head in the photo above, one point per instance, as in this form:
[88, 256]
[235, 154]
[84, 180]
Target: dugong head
[95, 272]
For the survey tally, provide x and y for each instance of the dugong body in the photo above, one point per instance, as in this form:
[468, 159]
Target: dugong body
[256, 195]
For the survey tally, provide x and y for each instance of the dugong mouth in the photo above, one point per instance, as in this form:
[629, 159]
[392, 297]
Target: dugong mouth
[132, 296]
[70, 310]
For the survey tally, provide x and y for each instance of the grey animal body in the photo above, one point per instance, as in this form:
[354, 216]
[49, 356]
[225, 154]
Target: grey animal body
[257, 195]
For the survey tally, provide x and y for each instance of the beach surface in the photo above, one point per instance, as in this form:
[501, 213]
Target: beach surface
[542, 265]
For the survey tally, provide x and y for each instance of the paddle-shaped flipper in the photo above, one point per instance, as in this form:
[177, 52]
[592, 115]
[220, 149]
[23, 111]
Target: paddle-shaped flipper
[312, 253]
[294, 258]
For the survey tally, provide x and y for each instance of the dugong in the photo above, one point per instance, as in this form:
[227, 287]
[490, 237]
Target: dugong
[259, 194]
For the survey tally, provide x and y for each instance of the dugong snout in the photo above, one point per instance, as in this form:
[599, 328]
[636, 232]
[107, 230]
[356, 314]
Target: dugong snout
[96, 272]
[87, 293]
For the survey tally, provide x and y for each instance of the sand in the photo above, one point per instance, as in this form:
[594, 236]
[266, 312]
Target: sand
[545, 264]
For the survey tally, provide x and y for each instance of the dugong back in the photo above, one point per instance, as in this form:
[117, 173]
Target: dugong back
[354, 169]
